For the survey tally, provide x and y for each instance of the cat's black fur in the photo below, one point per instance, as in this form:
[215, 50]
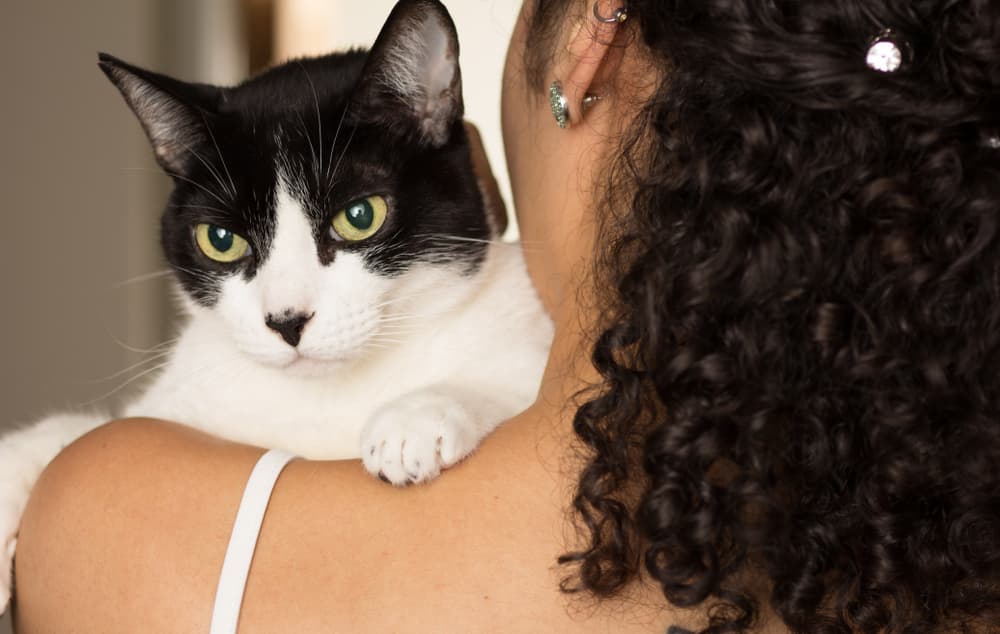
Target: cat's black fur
[340, 130]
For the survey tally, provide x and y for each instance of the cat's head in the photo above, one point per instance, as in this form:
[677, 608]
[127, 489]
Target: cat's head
[315, 205]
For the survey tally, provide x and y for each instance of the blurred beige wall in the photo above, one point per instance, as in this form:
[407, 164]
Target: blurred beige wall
[79, 196]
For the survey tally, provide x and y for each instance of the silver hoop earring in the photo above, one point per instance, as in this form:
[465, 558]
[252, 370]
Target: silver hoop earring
[621, 14]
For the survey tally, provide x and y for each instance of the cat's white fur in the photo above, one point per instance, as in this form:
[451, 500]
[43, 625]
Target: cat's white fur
[409, 373]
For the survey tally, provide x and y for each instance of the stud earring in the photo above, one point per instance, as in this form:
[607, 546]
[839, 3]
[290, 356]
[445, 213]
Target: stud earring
[560, 105]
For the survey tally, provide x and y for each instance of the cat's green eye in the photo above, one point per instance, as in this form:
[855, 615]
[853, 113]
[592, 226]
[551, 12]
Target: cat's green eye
[361, 219]
[220, 244]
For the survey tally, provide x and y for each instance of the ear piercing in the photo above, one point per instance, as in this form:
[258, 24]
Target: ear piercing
[621, 14]
[557, 96]
[560, 105]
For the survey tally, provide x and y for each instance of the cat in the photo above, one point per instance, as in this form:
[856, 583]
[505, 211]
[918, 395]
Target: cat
[344, 289]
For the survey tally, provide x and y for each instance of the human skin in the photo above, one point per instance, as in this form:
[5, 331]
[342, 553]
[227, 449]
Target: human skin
[127, 528]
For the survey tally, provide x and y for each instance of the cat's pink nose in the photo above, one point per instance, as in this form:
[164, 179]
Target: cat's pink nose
[289, 325]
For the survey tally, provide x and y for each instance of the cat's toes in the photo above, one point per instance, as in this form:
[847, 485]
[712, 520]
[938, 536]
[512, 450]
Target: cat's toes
[412, 439]
[420, 459]
[406, 456]
[403, 455]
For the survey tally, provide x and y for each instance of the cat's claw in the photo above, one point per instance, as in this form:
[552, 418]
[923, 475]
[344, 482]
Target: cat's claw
[411, 439]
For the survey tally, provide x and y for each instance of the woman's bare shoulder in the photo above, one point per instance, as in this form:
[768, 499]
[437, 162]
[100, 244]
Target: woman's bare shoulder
[127, 528]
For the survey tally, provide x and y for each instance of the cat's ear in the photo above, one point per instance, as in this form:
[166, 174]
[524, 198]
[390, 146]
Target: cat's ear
[412, 70]
[171, 112]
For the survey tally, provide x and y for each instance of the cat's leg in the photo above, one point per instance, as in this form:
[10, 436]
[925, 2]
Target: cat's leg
[24, 453]
[411, 438]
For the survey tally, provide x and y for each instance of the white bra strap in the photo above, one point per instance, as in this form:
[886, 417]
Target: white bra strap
[243, 541]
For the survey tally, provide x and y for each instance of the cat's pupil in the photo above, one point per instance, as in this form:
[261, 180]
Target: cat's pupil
[361, 215]
[221, 239]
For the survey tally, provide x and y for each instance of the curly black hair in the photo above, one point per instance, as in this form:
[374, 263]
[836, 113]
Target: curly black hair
[801, 372]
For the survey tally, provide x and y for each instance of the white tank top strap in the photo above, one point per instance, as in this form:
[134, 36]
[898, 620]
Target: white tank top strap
[243, 540]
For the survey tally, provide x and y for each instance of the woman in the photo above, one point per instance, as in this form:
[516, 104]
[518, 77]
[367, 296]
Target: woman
[768, 238]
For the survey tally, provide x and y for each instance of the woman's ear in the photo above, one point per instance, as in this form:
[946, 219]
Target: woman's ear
[592, 53]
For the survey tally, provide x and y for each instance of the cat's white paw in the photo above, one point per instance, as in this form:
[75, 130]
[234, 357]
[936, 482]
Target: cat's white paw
[412, 438]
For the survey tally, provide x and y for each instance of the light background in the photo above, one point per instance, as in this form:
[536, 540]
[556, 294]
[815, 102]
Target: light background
[83, 304]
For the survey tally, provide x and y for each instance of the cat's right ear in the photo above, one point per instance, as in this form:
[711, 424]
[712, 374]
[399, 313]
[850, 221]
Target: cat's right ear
[411, 78]
[173, 113]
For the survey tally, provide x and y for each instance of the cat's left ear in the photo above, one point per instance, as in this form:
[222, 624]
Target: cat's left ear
[412, 70]
[172, 112]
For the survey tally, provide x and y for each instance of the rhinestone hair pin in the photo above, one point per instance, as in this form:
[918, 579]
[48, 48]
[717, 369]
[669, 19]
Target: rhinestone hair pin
[888, 52]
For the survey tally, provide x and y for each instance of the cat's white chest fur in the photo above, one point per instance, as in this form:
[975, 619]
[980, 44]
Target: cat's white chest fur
[483, 339]
[472, 356]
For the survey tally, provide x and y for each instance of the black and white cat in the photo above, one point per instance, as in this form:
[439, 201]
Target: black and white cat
[346, 297]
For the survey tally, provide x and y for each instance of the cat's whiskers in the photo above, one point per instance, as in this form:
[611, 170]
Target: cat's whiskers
[524, 245]
[125, 384]
[395, 338]
[158, 348]
[145, 277]
[454, 238]
[319, 122]
[372, 347]
[400, 299]
[312, 148]
[336, 168]
[395, 332]
[205, 207]
[156, 357]
[396, 329]
[402, 317]
[382, 344]
[179, 177]
[201, 275]
[419, 295]
[198, 185]
[336, 135]
[218, 151]
[190, 375]
[230, 189]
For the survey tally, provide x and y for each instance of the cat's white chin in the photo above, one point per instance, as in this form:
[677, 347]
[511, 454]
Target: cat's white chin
[309, 367]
